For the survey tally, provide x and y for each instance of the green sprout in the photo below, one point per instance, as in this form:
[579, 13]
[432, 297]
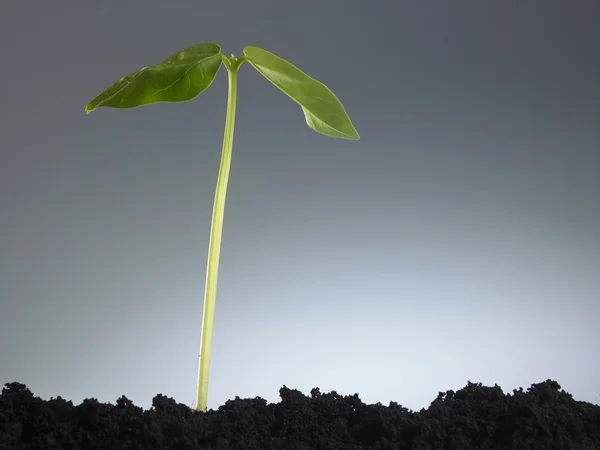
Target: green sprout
[184, 75]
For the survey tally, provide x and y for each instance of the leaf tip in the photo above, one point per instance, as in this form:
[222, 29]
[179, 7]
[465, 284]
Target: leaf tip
[354, 136]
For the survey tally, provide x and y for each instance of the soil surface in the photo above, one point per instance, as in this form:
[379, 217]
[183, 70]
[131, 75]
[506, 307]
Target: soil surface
[476, 416]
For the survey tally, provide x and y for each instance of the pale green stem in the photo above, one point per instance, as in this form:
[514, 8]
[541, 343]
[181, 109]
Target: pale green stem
[214, 249]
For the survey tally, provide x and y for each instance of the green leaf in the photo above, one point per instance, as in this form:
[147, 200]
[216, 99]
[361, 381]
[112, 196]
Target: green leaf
[323, 111]
[179, 78]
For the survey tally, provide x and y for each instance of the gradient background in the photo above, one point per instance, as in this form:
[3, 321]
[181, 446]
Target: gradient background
[458, 240]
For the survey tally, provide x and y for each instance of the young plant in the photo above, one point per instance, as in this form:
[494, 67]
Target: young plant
[184, 75]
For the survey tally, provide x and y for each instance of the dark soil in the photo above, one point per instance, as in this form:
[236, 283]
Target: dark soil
[476, 416]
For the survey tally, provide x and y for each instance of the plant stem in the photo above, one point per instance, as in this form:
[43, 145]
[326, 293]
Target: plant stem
[214, 249]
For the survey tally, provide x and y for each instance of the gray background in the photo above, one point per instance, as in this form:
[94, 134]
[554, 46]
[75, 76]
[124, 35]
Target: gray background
[458, 240]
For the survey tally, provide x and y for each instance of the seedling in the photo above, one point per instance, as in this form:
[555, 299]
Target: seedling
[184, 75]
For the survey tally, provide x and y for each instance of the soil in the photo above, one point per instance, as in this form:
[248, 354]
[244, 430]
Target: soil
[476, 416]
